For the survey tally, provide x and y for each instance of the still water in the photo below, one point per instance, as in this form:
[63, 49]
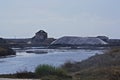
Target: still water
[29, 61]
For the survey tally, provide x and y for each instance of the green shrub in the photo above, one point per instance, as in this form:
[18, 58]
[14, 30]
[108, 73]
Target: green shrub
[45, 70]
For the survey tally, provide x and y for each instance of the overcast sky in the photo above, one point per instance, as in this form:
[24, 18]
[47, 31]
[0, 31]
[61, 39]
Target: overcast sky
[22, 18]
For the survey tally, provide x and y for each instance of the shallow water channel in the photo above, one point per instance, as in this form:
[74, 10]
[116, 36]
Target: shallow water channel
[56, 57]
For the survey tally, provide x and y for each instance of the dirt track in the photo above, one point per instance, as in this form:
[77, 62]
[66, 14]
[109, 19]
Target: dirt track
[17, 79]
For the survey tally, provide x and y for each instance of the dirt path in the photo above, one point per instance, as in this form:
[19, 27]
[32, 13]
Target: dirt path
[16, 79]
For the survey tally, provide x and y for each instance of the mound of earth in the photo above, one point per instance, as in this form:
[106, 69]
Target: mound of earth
[69, 40]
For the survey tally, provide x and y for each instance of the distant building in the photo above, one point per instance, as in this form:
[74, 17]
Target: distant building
[39, 37]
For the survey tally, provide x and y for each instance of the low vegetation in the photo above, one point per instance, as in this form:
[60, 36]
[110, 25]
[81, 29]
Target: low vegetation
[47, 72]
[99, 67]
[21, 75]
[44, 72]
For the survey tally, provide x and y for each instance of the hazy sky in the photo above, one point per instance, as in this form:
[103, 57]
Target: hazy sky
[22, 18]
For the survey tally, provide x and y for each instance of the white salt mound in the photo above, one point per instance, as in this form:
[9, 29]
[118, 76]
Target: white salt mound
[70, 40]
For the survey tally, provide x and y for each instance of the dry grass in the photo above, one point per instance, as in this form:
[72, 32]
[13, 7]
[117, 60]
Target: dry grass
[99, 67]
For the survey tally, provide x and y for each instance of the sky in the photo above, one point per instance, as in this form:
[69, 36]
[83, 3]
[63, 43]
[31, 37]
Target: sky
[23, 18]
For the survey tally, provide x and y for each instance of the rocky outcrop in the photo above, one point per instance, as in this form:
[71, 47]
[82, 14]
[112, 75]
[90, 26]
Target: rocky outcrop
[40, 36]
[41, 39]
[6, 51]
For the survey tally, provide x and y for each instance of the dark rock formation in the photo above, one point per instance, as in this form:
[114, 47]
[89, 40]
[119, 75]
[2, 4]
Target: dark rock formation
[41, 39]
[40, 36]
[5, 51]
